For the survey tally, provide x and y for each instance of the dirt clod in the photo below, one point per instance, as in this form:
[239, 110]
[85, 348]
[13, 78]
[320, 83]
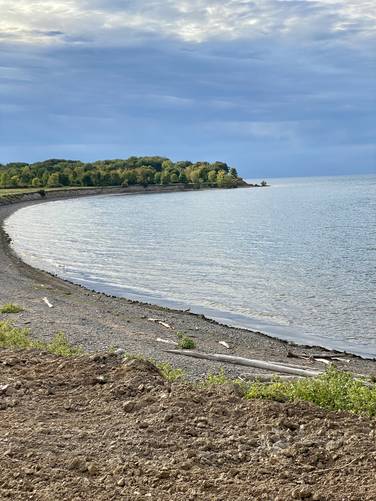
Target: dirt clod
[137, 436]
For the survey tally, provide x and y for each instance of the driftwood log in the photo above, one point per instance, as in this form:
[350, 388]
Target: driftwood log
[259, 364]
[269, 378]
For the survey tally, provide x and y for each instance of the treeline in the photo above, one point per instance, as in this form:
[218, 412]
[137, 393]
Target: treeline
[56, 173]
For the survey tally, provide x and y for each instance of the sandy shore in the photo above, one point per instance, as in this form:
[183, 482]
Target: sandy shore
[97, 322]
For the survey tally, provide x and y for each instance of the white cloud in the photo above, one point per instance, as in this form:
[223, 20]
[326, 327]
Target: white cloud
[120, 22]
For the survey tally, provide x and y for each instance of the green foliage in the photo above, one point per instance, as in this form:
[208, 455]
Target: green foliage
[169, 372]
[334, 390]
[56, 173]
[185, 342]
[61, 346]
[217, 378]
[11, 308]
[13, 337]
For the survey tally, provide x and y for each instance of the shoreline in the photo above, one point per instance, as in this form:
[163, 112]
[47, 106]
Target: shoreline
[98, 321]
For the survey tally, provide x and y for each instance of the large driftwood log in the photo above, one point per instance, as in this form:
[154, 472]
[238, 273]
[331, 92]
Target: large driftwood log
[269, 378]
[259, 364]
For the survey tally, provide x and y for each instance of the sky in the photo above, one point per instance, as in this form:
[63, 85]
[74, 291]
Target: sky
[272, 87]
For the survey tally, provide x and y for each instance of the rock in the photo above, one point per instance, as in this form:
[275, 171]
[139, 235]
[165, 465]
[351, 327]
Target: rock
[78, 464]
[100, 380]
[303, 492]
[93, 469]
[121, 482]
[128, 406]
[3, 389]
[119, 352]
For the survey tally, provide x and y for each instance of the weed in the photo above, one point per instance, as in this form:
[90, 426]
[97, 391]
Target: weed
[13, 337]
[333, 390]
[11, 308]
[185, 342]
[169, 372]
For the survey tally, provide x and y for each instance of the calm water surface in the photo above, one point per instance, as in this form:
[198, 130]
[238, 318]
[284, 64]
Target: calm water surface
[296, 260]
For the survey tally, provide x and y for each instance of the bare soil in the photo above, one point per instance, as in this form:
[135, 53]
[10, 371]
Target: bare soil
[98, 428]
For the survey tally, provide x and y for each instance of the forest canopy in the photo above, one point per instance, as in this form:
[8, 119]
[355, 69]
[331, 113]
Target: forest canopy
[56, 173]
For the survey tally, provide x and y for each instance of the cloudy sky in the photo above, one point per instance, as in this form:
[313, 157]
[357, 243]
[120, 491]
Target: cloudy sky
[274, 87]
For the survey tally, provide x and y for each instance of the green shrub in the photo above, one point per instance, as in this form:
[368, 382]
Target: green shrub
[61, 346]
[169, 372]
[11, 308]
[217, 378]
[13, 337]
[333, 390]
[185, 342]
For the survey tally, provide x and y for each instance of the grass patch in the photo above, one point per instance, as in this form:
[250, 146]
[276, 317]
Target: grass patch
[11, 308]
[169, 372]
[217, 378]
[13, 337]
[185, 342]
[334, 390]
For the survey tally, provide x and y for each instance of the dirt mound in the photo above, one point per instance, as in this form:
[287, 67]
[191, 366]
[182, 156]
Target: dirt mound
[96, 428]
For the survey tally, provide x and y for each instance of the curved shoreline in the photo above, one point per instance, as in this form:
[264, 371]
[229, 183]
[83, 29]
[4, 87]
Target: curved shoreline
[107, 321]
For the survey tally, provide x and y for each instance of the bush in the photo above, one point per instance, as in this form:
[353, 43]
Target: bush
[13, 337]
[169, 372]
[11, 308]
[185, 342]
[333, 390]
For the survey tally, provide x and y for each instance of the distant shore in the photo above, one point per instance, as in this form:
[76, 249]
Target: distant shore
[61, 193]
[97, 322]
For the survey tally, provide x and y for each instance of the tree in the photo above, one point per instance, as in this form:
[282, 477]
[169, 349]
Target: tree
[174, 178]
[195, 177]
[14, 181]
[234, 172]
[183, 178]
[53, 180]
[165, 178]
[212, 177]
[157, 178]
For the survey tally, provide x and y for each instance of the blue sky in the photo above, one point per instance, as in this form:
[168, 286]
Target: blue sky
[273, 87]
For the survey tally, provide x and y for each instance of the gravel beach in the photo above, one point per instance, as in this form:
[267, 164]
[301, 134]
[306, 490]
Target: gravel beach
[98, 322]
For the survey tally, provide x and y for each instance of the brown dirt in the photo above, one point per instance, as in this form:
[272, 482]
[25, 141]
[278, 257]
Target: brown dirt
[95, 428]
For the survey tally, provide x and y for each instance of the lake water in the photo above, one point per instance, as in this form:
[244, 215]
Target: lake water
[296, 260]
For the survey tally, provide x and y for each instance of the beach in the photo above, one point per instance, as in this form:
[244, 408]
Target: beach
[98, 322]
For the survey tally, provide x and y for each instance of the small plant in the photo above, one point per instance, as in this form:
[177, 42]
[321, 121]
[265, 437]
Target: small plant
[61, 346]
[185, 342]
[11, 308]
[218, 378]
[333, 390]
[169, 372]
[13, 337]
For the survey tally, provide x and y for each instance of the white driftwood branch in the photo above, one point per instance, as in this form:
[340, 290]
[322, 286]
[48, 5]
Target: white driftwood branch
[269, 378]
[323, 361]
[47, 302]
[223, 343]
[160, 322]
[167, 341]
[259, 364]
